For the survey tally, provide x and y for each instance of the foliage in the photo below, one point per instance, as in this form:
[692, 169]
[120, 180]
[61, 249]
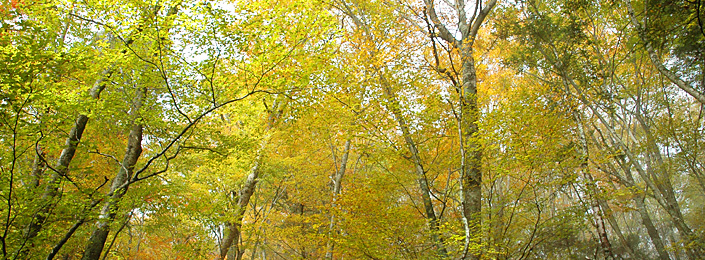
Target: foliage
[342, 129]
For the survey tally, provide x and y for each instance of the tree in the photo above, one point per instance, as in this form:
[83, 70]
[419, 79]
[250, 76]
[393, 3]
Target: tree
[590, 63]
[351, 130]
[466, 87]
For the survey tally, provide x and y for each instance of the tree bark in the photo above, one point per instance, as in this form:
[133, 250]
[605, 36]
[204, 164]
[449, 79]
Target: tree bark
[61, 168]
[471, 150]
[119, 185]
[629, 182]
[471, 153]
[64, 161]
[645, 217]
[593, 191]
[337, 186]
[121, 182]
[411, 146]
[611, 133]
[615, 226]
[67, 154]
[665, 187]
[230, 246]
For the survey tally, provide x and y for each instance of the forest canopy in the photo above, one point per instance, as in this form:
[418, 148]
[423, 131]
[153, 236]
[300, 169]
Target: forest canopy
[352, 129]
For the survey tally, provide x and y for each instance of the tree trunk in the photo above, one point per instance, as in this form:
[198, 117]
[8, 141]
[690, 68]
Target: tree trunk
[470, 148]
[64, 161]
[119, 185]
[629, 182]
[337, 185]
[656, 164]
[230, 246]
[644, 213]
[615, 226]
[424, 186]
[121, 182]
[593, 191]
[611, 133]
[471, 152]
[62, 165]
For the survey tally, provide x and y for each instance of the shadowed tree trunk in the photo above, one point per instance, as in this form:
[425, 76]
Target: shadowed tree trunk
[67, 154]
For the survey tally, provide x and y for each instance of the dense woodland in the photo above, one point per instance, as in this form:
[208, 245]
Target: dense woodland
[352, 129]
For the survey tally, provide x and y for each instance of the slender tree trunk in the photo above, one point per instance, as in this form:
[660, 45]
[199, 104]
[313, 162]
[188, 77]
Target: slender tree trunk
[424, 186]
[646, 219]
[337, 185]
[230, 246]
[119, 185]
[611, 133]
[634, 254]
[74, 138]
[470, 148]
[650, 228]
[395, 107]
[593, 191]
[629, 182]
[602, 231]
[61, 168]
[644, 213]
[663, 182]
[65, 239]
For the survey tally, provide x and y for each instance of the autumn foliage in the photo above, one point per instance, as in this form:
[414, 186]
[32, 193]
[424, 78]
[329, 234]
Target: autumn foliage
[356, 129]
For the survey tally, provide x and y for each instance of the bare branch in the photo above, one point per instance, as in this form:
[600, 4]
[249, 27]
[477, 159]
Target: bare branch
[480, 19]
[444, 33]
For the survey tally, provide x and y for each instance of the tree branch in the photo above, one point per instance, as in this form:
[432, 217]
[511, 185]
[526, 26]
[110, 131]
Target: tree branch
[682, 84]
[444, 33]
